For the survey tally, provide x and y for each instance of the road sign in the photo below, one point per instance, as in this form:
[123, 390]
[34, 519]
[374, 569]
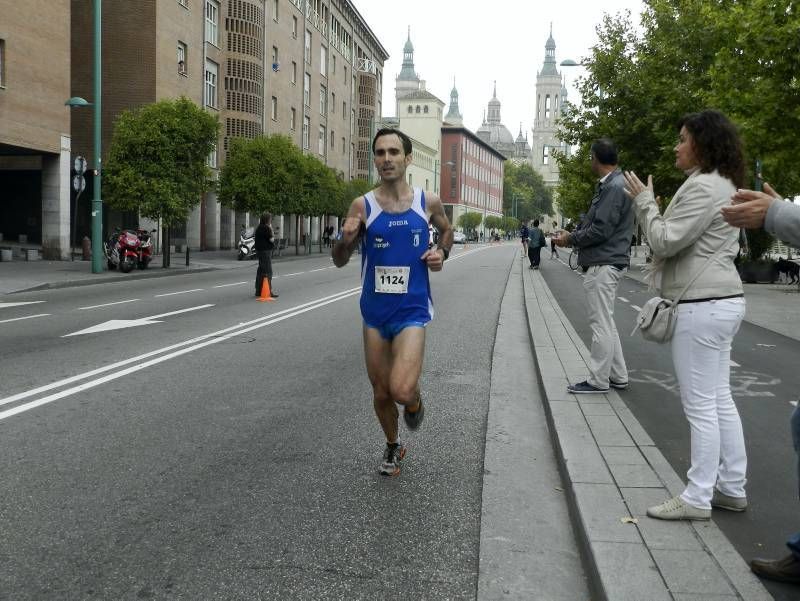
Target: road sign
[78, 183]
[79, 165]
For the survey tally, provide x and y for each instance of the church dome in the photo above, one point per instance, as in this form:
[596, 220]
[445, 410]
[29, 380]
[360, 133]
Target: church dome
[496, 134]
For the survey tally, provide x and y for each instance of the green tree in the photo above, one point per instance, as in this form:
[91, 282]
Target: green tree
[521, 183]
[468, 222]
[493, 222]
[157, 161]
[264, 174]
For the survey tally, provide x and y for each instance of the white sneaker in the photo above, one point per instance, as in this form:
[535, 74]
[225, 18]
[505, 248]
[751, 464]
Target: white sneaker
[677, 509]
[722, 501]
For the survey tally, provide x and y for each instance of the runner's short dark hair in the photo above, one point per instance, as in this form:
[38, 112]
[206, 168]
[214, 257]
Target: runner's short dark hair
[605, 151]
[388, 131]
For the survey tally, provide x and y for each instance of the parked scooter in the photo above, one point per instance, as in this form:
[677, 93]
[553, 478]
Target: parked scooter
[122, 249]
[247, 244]
[145, 248]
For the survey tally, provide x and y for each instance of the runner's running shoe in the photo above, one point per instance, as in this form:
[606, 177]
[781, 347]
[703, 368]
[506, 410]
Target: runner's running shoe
[392, 456]
[414, 420]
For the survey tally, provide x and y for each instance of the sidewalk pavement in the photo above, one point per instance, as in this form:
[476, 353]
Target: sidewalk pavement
[613, 471]
[20, 275]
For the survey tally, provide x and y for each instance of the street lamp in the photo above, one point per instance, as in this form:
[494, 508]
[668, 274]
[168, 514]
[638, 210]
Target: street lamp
[77, 101]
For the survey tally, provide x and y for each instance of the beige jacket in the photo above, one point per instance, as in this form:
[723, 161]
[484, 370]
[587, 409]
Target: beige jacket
[691, 230]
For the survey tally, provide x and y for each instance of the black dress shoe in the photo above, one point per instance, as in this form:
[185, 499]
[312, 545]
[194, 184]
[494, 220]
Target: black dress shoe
[786, 569]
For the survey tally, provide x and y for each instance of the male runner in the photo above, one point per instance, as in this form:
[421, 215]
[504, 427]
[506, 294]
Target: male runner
[396, 301]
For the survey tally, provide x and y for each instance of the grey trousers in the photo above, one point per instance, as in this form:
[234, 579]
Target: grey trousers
[600, 284]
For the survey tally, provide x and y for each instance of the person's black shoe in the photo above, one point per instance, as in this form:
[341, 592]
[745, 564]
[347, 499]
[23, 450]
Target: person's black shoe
[786, 569]
[392, 456]
[273, 295]
[414, 419]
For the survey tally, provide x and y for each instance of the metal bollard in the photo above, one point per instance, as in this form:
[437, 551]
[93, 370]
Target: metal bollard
[187, 255]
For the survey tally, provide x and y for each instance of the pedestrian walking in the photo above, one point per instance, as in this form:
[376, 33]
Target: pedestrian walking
[536, 242]
[553, 249]
[603, 238]
[396, 302]
[753, 210]
[264, 243]
[689, 236]
[524, 234]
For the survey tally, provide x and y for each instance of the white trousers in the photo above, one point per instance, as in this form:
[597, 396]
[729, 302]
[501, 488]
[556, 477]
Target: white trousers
[600, 284]
[701, 353]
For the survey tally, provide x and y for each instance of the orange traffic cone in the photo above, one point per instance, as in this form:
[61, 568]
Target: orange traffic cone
[266, 293]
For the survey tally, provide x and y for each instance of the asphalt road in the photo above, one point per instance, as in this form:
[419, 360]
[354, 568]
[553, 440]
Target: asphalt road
[765, 381]
[227, 449]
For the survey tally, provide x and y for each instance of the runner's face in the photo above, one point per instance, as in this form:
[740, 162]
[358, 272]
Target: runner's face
[390, 159]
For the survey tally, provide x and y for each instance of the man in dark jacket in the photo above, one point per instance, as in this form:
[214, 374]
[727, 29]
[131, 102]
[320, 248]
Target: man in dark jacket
[264, 243]
[603, 242]
[536, 242]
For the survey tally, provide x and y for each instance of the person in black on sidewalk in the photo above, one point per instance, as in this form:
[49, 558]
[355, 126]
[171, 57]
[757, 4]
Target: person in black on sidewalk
[536, 242]
[264, 243]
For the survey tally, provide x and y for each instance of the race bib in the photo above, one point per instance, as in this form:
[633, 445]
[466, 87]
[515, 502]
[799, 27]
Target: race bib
[391, 280]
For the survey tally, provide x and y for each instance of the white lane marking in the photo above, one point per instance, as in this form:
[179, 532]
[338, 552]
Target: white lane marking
[734, 364]
[623, 299]
[28, 317]
[113, 376]
[636, 308]
[133, 300]
[234, 284]
[117, 324]
[6, 305]
[288, 275]
[181, 292]
[321, 269]
[117, 365]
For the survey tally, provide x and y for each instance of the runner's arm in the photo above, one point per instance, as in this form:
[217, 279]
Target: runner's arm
[435, 257]
[343, 249]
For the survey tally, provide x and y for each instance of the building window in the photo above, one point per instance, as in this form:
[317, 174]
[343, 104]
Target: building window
[345, 74]
[293, 120]
[333, 64]
[182, 51]
[333, 140]
[212, 71]
[410, 179]
[425, 109]
[294, 27]
[307, 89]
[294, 72]
[212, 22]
[275, 10]
[307, 51]
[343, 146]
[410, 109]
[274, 109]
[323, 100]
[547, 106]
[333, 102]
[306, 131]
[323, 61]
[546, 155]
[212, 157]
[321, 141]
[417, 110]
[344, 110]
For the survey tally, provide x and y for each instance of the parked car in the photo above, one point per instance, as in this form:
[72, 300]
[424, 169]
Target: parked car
[459, 238]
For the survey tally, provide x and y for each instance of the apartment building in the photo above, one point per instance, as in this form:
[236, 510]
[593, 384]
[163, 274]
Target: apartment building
[472, 175]
[34, 124]
[309, 69]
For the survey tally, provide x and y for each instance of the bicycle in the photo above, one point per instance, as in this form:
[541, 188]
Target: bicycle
[573, 259]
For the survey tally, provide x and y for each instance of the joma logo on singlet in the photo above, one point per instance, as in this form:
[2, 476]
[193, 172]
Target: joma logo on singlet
[398, 222]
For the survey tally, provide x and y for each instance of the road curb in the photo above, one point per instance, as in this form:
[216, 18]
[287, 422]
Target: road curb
[612, 471]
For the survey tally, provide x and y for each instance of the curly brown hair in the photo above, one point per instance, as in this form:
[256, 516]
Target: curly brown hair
[717, 144]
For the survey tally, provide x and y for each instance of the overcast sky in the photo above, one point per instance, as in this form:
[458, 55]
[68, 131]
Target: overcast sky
[478, 43]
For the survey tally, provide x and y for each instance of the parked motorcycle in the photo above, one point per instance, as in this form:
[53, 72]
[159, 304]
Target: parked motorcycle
[247, 244]
[122, 250]
[145, 248]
